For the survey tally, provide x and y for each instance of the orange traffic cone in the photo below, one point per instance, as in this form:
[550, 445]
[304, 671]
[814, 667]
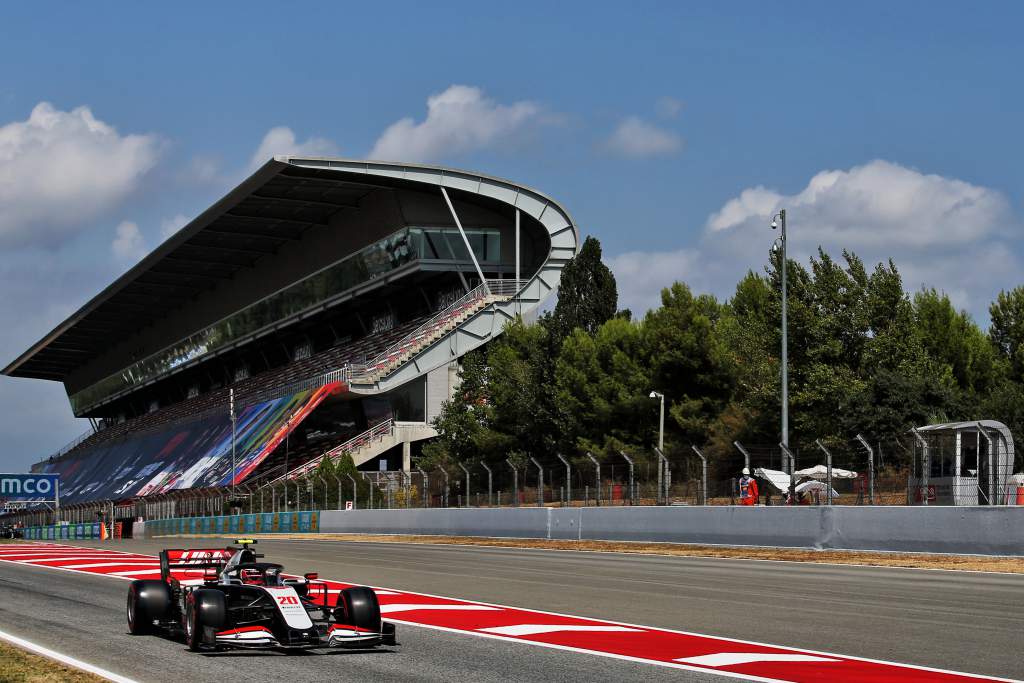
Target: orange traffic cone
[104, 536]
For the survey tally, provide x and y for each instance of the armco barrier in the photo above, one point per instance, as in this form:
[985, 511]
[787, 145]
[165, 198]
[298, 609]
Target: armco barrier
[63, 532]
[978, 530]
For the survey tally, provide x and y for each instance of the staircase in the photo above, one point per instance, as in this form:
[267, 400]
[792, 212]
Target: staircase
[432, 330]
[366, 446]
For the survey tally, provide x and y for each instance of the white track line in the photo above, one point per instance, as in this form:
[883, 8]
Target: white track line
[64, 659]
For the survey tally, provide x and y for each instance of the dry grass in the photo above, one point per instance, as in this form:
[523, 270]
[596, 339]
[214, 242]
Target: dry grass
[879, 559]
[19, 666]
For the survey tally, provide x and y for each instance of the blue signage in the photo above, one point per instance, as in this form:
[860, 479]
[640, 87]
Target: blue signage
[29, 486]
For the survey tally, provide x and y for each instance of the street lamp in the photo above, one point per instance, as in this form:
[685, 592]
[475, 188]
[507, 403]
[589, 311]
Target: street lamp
[661, 422]
[778, 220]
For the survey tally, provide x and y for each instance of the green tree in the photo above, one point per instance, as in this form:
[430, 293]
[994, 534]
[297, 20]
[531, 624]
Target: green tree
[1007, 330]
[587, 294]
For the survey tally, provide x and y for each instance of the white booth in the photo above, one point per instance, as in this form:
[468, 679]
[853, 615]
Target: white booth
[962, 463]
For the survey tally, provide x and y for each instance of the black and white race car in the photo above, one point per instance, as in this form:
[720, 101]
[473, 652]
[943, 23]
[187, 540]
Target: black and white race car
[239, 602]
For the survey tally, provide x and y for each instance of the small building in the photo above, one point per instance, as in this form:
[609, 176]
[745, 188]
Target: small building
[962, 463]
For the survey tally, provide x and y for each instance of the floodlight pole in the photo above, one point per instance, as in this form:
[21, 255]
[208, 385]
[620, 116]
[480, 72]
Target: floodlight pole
[663, 472]
[871, 469]
[661, 420]
[785, 332]
[792, 472]
[828, 470]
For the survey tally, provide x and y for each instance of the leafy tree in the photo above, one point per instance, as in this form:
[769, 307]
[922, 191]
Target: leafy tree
[1007, 330]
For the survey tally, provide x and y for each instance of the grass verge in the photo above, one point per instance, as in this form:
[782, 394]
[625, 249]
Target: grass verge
[19, 666]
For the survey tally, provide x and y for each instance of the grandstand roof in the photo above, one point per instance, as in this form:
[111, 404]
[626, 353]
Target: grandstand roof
[275, 205]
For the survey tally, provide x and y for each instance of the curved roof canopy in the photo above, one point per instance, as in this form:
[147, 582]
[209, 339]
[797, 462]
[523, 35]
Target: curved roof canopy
[277, 204]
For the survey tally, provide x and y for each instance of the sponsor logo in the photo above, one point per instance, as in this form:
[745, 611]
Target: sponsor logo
[29, 486]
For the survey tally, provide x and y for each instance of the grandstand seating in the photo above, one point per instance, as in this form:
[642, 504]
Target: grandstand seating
[266, 384]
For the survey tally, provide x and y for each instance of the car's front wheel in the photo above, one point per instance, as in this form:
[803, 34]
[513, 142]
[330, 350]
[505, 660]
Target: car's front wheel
[148, 602]
[203, 609]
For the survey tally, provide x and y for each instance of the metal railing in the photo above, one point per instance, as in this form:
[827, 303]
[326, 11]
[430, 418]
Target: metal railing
[379, 430]
[391, 357]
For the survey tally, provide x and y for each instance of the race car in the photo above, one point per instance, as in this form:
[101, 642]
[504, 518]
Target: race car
[240, 602]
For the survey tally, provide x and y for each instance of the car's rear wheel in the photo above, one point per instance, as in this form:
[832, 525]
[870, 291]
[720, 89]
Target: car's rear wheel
[358, 606]
[148, 602]
[203, 609]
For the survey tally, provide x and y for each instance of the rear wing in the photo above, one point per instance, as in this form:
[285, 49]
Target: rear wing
[192, 559]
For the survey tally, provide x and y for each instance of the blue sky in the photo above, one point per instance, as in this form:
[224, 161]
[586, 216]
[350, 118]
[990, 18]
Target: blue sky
[669, 130]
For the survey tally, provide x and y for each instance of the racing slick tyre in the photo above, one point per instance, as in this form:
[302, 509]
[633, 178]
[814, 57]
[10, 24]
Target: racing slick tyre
[358, 606]
[204, 609]
[148, 601]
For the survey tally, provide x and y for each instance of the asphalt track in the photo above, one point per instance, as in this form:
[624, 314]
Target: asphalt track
[949, 620]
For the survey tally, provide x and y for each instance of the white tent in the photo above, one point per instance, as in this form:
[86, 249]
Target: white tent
[820, 472]
[812, 485]
[780, 480]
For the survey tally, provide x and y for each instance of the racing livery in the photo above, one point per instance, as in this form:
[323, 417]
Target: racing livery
[226, 598]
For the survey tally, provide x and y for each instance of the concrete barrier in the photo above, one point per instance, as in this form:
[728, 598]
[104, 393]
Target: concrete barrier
[978, 530]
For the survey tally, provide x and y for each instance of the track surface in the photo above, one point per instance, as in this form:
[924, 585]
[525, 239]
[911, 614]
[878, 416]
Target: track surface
[949, 620]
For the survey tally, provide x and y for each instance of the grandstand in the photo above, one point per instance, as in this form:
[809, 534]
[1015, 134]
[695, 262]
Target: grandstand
[332, 298]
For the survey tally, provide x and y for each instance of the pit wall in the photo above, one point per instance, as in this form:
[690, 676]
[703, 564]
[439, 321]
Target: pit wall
[971, 530]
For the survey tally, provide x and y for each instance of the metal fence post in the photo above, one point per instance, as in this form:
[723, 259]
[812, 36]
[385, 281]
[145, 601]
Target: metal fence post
[426, 486]
[828, 471]
[632, 486]
[926, 466]
[515, 482]
[746, 456]
[990, 447]
[466, 470]
[354, 492]
[540, 482]
[490, 484]
[447, 486]
[871, 469]
[703, 475]
[597, 465]
[568, 477]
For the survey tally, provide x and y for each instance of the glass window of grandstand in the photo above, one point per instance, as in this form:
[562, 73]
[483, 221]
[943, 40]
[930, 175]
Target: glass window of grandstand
[446, 244]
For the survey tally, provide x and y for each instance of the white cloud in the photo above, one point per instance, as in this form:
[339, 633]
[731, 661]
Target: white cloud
[281, 141]
[128, 244]
[637, 139]
[169, 226]
[668, 107]
[640, 276]
[60, 169]
[459, 120]
[879, 204]
[941, 232]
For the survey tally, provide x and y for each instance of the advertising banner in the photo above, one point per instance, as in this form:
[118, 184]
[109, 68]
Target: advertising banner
[29, 486]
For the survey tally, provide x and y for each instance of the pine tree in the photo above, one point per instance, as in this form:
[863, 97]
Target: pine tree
[587, 294]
